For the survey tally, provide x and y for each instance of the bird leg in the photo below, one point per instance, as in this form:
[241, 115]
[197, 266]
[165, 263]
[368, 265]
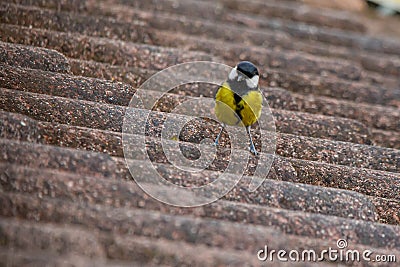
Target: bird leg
[252, 147]
[219, 135]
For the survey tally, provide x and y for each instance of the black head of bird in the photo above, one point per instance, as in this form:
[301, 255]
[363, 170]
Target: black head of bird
[245, 71]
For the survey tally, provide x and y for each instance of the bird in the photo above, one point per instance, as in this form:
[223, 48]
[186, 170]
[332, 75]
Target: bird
[238, 101]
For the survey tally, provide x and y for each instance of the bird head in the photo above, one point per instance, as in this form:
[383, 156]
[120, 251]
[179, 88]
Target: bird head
[245, 71]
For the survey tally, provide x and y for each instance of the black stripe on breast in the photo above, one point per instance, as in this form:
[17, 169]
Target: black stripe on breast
[238, 108]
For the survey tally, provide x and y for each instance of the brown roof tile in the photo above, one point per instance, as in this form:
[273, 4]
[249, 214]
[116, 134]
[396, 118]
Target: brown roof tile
[68, 70]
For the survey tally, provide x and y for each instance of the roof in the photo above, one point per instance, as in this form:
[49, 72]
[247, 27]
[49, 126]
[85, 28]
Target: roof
[68, 70]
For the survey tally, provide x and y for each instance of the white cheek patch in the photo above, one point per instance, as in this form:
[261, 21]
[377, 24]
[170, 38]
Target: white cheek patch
[253, 82]
[233, 74]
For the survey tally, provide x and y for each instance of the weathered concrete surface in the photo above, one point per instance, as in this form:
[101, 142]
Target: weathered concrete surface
[68, 70]
[33, 58]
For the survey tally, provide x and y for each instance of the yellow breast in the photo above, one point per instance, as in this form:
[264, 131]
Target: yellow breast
[247, 111]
